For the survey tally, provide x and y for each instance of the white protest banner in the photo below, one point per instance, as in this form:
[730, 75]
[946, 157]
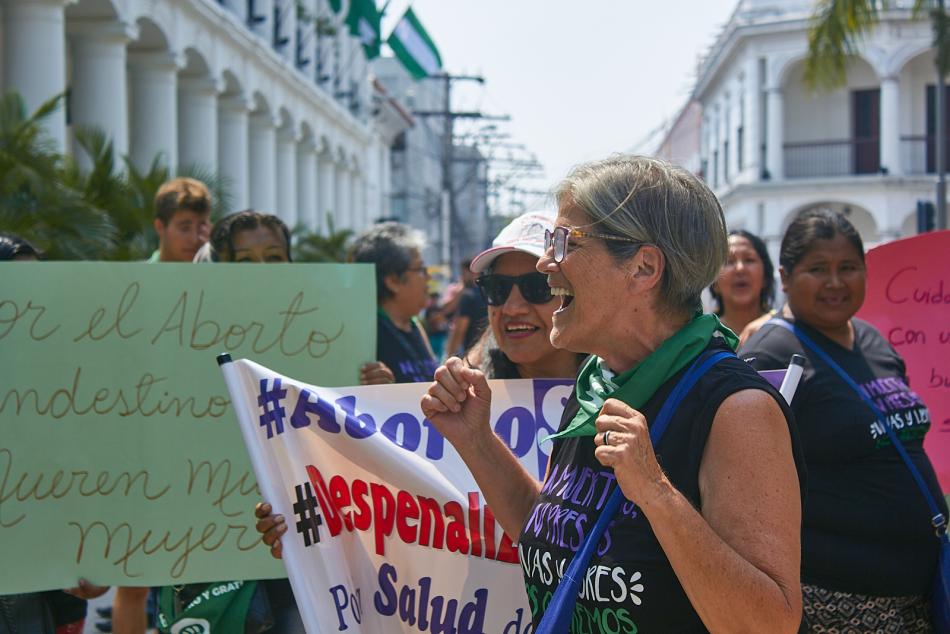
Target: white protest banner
[388, 531]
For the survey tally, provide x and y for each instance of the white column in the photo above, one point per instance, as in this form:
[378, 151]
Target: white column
[775, 152]
[342, 217]
[262, 149]
[385, 183]
[361, 214]
[890, 126]
[287, 203]
[326, 190]
[263, 17]
[233, 148]
[154, 109]
[725, 140]
[198, 123]
[288, 29]
[308, 45]
[750, 126]
[34, 58]
[306, 185]
[98, 94]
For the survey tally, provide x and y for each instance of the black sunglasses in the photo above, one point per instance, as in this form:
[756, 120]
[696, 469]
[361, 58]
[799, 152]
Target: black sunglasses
[532, 286]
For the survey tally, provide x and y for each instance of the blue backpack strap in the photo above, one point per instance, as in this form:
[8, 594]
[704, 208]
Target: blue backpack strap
[557, 616]
[938, 520]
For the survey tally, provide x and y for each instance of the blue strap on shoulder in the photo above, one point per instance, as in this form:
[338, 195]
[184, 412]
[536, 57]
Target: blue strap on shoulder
[557, 616]
[938, 520]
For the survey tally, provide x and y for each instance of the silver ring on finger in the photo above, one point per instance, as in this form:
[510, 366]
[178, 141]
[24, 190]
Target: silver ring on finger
[607, 438]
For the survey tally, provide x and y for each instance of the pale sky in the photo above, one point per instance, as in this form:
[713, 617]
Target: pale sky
[581, 79]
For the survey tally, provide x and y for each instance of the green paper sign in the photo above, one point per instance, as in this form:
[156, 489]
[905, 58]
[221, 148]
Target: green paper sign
[120, 456]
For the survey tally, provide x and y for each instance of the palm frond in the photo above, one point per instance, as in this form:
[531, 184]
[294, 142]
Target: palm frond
[219, 185]
[329, 247]
[836, 30]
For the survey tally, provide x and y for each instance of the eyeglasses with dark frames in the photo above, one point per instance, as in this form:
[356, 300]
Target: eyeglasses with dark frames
[496, 288]
[559, 239]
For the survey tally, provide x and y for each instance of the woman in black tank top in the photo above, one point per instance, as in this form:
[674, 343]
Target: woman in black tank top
[707, 535]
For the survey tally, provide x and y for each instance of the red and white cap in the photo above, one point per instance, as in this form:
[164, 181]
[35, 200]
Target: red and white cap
[525, 233]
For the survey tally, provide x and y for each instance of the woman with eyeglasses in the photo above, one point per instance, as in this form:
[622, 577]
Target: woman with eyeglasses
[403, 353]
[699, 533]
[517, 343]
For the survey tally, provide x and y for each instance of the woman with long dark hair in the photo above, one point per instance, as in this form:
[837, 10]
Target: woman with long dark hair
[745, 287]
[869, 552]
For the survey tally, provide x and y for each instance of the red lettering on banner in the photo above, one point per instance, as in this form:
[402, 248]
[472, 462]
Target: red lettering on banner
[365, 518]
[456, 538]
[330, 514]
[340, 497]
[474, 506]
[413, 519]
[407, 509]
[489, 534]
[383, 508]
[431, 522]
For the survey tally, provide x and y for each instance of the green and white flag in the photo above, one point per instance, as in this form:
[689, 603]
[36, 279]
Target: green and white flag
[414, 48]
[363, 22]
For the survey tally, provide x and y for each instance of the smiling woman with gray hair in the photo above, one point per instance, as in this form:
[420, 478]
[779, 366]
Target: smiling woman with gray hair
[691, 530]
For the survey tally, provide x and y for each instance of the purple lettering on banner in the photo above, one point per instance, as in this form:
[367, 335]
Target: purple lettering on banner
[408, 425]
[326, 417]
[271, 404]
[361, 426]
[521, 419]
[432, 612]
[541, 389]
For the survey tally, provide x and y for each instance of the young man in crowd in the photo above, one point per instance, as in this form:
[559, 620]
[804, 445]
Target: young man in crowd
[183, 225]
[182, 219]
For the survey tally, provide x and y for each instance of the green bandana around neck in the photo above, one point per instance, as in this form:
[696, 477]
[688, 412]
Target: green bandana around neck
[596, 382]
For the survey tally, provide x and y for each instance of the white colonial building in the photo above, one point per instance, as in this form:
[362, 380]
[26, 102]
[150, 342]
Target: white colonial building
[274, 95]
[770, 147]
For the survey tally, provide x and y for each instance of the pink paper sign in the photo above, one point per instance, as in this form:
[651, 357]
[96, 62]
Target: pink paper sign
[908, 300]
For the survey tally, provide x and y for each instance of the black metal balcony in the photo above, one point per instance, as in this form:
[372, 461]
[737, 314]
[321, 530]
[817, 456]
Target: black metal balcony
[821, 159]
[919, 153]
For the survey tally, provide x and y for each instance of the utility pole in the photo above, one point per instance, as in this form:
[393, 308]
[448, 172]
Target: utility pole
[448, 213]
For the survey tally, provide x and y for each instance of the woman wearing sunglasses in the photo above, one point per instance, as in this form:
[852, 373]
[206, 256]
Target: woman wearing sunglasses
[517, 343]
[700, 533]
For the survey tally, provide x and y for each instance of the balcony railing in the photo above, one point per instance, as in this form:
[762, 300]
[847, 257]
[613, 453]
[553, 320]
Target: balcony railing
[817, 159]
[918, 154]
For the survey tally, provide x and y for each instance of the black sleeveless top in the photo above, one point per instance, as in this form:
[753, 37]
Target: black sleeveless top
[629, 585]
[866, 527]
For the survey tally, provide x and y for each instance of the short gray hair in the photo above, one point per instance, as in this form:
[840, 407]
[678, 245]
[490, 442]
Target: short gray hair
[654, 202]
[390, 246]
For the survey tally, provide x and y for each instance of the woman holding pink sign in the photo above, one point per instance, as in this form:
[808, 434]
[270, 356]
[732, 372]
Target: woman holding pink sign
[869, 550]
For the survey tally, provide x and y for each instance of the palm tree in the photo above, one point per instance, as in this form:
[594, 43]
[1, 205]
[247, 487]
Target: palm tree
[103, 213]
[36, 203]
[834, 36]
[316, 247]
